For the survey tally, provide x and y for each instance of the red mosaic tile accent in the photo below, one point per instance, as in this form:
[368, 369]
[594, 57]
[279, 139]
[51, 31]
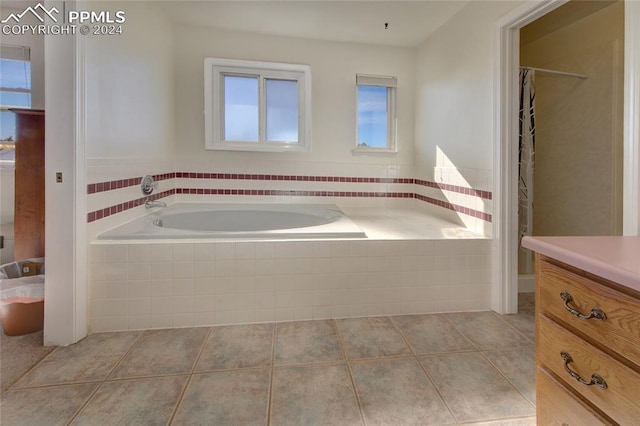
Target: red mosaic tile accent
[454, 188]
[124, 183]
[108, 211]
[93, 188]
[455, 207]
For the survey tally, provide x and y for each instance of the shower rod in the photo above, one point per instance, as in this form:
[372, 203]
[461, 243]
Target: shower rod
[566, 74]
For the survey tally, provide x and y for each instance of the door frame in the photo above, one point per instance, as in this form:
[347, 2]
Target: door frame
[505, 172]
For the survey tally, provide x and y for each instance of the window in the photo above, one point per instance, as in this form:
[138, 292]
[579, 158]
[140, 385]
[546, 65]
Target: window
[376, 128]
[257, 106]
[15, 92]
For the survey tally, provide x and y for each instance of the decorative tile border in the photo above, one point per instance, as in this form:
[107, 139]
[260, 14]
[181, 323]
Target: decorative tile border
[108, 211]
[454, 188]
[94, 188]
[299, 178]
[124, 183]
[455, 207]
[293, 193]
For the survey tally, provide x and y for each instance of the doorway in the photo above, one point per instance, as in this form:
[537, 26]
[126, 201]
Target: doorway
[506, 105]
[571, 130]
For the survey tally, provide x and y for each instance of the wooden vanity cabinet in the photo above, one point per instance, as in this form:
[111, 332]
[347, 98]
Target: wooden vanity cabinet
[587, 347]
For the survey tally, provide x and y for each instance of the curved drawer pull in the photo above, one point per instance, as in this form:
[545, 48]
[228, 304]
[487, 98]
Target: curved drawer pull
[595, 379]
[596, 313]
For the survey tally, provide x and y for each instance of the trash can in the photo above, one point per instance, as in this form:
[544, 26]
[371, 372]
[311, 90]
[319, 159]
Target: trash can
[22, 304]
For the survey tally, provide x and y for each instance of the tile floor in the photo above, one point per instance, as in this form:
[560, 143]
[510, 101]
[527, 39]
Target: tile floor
[460, 368]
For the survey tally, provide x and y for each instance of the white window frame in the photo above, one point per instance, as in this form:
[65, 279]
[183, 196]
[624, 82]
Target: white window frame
[215, 68]
[18, 53]
[391, 84]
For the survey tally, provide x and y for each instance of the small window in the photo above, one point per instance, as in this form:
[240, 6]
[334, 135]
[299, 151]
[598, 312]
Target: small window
[15, 92]
[376, 121]
[257, 106]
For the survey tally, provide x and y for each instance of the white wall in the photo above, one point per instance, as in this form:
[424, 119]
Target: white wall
[129, 90]
[454, 105]
[130, 112]
[333, 69]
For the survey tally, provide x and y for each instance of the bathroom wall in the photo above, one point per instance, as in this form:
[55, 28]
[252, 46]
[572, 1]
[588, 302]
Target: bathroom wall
[333, 69]
[579, 123]
[130, 113]
[454, 105]
[330, 173]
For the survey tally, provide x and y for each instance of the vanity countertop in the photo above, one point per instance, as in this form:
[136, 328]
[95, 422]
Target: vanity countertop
[613, 258]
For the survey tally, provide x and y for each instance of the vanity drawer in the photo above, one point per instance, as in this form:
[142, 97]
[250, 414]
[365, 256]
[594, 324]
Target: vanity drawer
[558, 406]
[620, 331]
[620, 398]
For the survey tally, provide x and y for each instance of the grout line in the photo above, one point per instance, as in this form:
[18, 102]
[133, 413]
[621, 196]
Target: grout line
[117, 364]
[484, 355]
[29, 370]
[86, 402]
[429, 378]
[512, 327]
[188, 381]
[55, 385]
[349, 372]
[271, 371]
[102, 382]
[476, 346]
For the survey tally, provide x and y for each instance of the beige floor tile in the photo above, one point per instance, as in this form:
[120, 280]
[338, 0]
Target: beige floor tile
[237, 346]
[236, 397]
[159, 352]
[55, 405]
[487, 330]
[90, 359]
[524, 322]
[371, 338]
[397, 391]
[431, 334]
[473, 389]
[133, 402]
[313, 395]
[519, 367]
[18, 355]
[306, 341]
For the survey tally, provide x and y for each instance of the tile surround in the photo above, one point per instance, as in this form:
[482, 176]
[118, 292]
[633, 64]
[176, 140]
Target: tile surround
[349, 187]
[245, 282]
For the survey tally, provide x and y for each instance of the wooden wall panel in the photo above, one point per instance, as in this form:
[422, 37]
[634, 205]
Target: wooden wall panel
[29, 186]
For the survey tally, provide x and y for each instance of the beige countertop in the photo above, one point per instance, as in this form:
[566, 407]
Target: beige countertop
[614, 258]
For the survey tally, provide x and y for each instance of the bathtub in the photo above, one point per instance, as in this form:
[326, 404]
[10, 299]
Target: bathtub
[239, 222]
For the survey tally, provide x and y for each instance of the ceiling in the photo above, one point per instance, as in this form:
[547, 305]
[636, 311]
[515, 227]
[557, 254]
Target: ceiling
[410, 22]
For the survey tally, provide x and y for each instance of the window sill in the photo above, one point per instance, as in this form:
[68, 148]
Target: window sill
[374, 151]
[257, 148]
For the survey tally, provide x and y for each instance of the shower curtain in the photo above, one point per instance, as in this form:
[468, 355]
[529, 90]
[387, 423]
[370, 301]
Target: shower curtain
[526, 165]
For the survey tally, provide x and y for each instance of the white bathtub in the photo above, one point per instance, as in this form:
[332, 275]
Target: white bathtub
[239, 221]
